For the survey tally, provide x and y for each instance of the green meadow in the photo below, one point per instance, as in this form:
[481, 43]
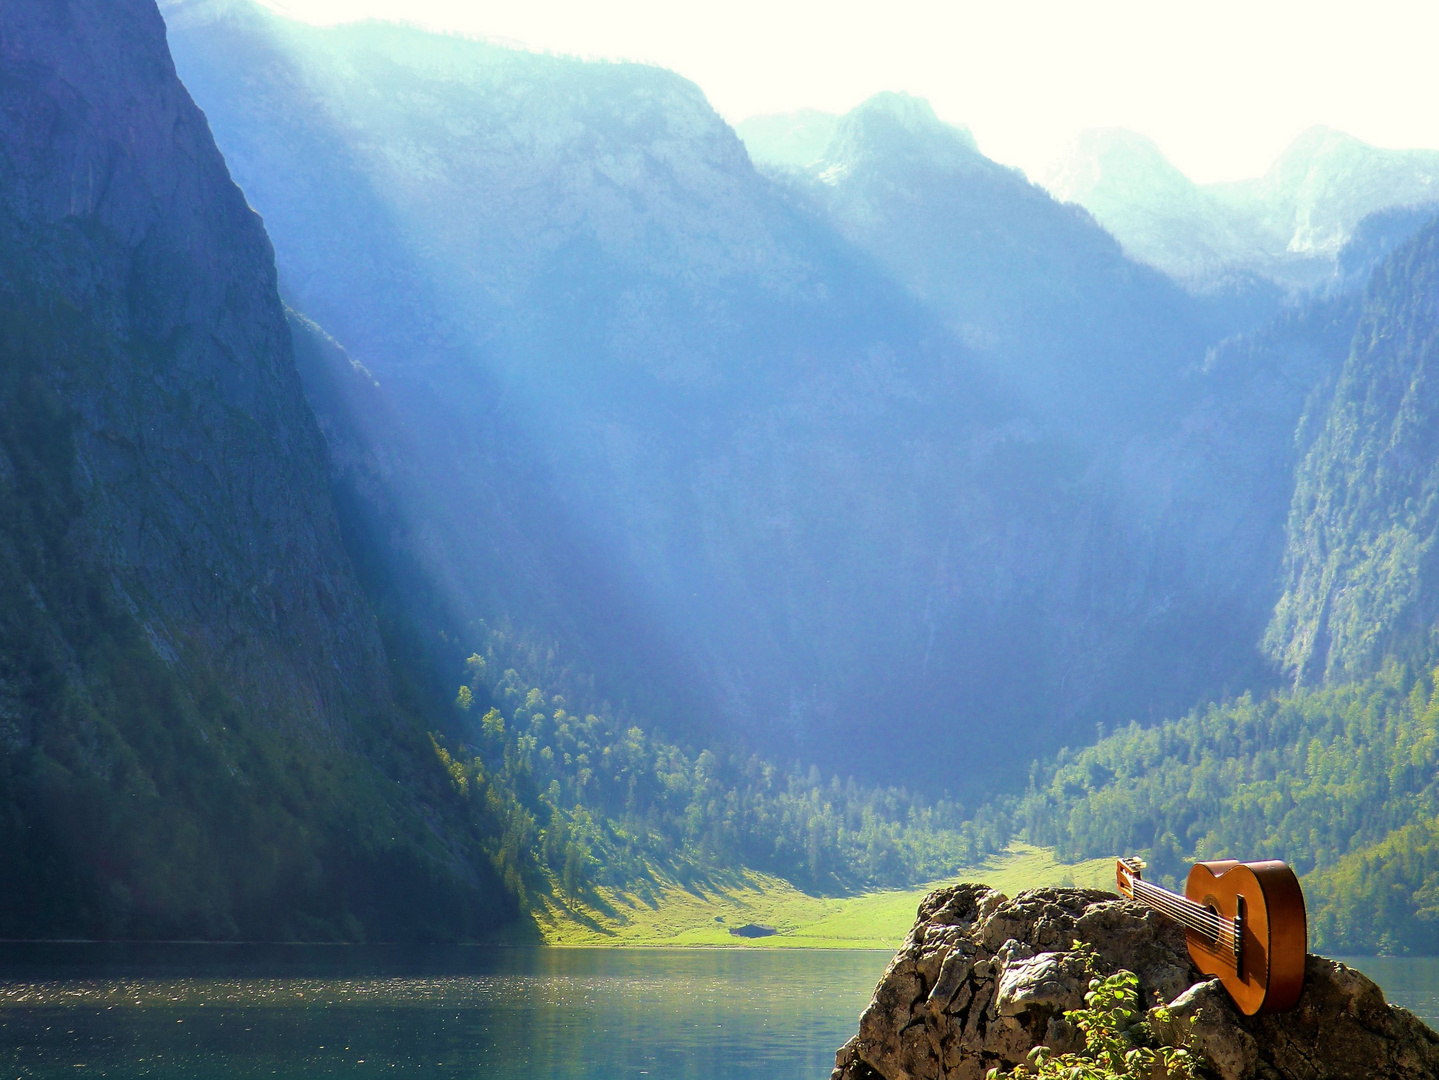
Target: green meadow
[671, 913]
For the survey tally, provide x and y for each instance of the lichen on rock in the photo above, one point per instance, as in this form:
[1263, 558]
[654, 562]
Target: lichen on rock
[982, 979]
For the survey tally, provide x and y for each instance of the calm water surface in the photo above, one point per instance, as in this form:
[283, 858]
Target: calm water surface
[566, 1014]
[556, 1014]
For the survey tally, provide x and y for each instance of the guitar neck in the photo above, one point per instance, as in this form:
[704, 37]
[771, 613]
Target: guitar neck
[1225, 933]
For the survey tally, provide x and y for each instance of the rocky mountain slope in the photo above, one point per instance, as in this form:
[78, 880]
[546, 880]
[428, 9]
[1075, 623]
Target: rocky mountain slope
[1090, 340]
[190, 675]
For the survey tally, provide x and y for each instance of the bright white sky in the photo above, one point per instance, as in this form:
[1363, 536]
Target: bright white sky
[1221, 85]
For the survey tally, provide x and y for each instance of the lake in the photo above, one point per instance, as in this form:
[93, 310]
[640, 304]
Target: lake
[302, 1011]
[198, 1011]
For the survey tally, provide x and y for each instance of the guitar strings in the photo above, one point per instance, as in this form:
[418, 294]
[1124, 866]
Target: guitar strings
[1182, 908]
[1185, 911]
[1217, 931]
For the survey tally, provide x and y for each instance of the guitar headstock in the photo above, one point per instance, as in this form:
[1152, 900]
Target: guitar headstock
[1126, 873]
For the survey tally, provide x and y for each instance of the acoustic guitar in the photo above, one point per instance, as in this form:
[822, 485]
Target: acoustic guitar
[1245, 923]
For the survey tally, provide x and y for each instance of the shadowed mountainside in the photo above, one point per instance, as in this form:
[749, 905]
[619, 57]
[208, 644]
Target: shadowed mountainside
[197, 730]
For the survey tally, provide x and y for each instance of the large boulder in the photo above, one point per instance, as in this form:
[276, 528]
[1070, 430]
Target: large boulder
[982, 979]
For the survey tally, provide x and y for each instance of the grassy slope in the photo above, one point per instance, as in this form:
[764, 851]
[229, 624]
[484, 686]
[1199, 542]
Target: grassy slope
[672, 914]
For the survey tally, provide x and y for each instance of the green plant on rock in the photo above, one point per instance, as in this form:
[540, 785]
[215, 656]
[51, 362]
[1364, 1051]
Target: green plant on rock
[1119, 1041]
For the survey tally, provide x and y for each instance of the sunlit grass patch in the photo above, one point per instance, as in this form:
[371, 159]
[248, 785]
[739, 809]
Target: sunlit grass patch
[703, 914]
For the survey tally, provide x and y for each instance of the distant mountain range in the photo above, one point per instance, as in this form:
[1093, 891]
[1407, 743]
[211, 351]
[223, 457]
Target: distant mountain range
[1287, 226]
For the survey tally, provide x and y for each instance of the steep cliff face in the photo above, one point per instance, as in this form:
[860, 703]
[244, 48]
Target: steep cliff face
[200, 467]
[188, 668]
[1359, 572]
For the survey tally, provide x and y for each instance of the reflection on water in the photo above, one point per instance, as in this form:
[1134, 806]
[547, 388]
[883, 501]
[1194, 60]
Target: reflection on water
[565, 1014]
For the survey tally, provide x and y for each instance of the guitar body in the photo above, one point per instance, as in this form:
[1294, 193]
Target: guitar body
[1266, 895]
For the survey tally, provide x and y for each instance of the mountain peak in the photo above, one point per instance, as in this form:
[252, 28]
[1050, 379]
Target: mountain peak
[895, 127]
[1326, 181]
[894, 112]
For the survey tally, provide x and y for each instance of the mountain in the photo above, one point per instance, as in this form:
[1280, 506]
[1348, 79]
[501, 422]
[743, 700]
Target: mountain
[1325, 182]
[1046, 299]
[1359, 573]
[637, 403]
[199, 733]
[1334, 774]
[1160, 216]
[788, 461]
[1288, 225]
[1165, 579]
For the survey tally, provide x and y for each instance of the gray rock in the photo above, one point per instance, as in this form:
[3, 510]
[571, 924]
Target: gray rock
[1051, 981]
[1215, 1030]
[982, 979]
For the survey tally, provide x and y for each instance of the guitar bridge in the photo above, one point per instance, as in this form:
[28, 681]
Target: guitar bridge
[1238, 932]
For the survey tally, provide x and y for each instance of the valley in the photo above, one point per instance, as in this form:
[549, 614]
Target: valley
[457, 493]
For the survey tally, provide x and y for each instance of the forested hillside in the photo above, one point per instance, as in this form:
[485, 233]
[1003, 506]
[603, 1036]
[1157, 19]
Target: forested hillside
[595, 799]
[1339, 782]
[1360, 565]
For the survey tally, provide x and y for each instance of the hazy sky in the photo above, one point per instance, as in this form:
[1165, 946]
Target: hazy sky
[1222, 86]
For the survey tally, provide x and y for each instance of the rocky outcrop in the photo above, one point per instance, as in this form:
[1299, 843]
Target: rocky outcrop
[982, 979]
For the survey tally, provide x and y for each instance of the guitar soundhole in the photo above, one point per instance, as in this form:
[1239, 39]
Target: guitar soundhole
[1212, 936]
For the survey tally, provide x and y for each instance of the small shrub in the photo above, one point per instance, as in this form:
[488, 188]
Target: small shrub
[1119, 1043]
